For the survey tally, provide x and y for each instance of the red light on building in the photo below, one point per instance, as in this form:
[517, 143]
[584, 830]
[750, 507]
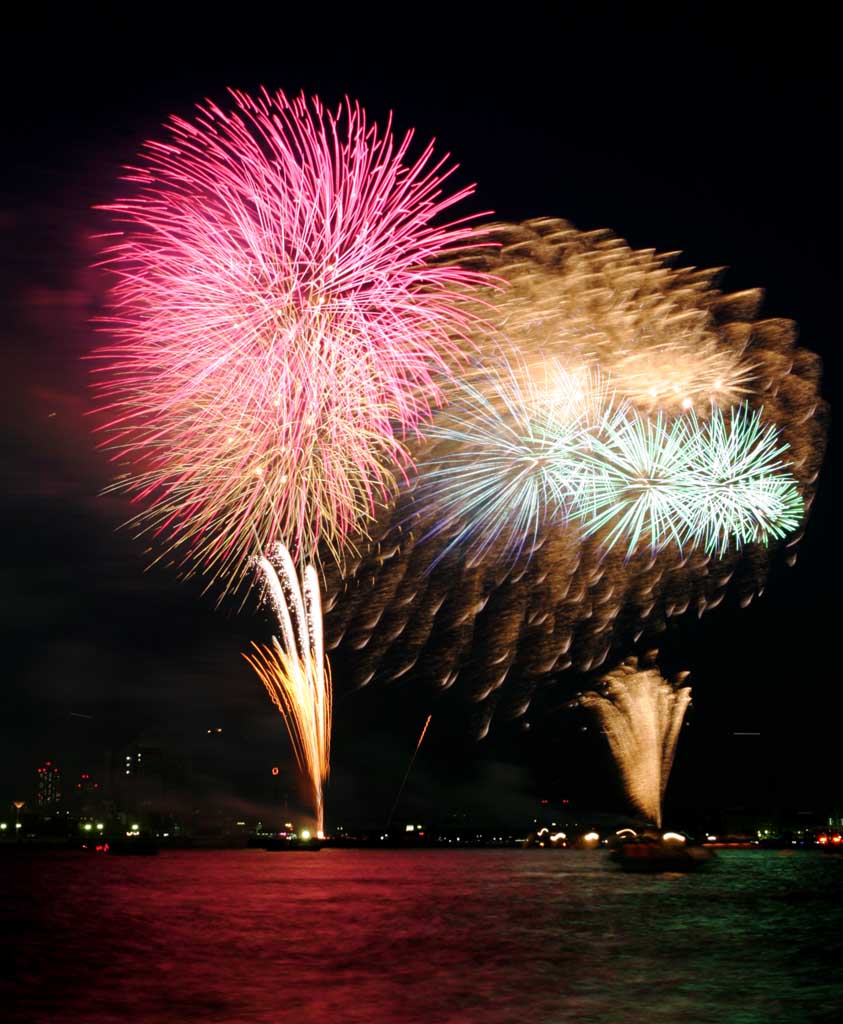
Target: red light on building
[276, 770]
[49, 785]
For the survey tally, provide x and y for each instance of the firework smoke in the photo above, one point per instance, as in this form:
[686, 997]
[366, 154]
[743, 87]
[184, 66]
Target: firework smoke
[294, 670]
[282, 318]
[641, 715]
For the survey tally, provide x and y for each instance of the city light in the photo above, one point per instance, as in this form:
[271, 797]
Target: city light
[305, 834]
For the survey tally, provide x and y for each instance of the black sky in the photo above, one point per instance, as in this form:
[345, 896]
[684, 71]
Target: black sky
[691, 132]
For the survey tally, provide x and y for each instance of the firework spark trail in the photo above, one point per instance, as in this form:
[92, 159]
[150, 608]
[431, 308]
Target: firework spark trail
[284, 315]
[641, 714]
[740, 491]
[591, 301]
[506, 457]
[407, 773]
[294, 670]
[699, 484]
[496, 627]
[512, 456]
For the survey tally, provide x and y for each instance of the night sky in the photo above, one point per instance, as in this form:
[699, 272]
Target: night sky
[693, 134]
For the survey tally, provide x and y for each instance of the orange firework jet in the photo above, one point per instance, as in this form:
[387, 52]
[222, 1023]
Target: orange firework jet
[294, 670]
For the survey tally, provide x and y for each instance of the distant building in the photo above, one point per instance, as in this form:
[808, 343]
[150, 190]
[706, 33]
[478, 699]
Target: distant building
[147, 778]
[48, 792]
[85, 797]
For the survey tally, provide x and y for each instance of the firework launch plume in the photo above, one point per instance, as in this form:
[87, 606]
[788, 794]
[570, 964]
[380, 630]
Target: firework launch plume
[284, 316]
[493, 573]
[294, 669]
[641, 714]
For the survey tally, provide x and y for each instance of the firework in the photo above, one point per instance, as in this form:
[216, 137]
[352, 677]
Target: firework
[418, 605]
[641, 715]
[587, 299]
[512, 457]
[506, 456]
[282, 317]
[697, 484]
[741, 491]
[294, 669]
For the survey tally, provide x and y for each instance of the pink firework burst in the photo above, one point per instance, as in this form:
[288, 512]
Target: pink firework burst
[282, 309]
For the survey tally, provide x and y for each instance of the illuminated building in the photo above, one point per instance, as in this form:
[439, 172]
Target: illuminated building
[145, 776]
[85, 796]
[48, 793]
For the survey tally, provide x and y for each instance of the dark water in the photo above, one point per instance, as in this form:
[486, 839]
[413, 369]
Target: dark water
[436, 936]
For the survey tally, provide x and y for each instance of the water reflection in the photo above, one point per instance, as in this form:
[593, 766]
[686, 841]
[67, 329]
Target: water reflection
[439, 936]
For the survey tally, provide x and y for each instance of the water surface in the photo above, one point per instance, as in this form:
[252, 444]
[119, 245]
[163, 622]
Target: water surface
[441, 937]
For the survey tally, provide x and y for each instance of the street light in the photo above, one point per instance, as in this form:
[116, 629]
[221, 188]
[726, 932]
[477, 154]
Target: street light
[18, 805]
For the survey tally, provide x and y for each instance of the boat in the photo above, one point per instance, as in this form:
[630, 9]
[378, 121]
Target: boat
[654, 855]
[291, 844]
[132, 846]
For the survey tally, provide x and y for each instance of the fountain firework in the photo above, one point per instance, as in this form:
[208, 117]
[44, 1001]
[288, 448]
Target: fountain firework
[641, 714]
[294, 670]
